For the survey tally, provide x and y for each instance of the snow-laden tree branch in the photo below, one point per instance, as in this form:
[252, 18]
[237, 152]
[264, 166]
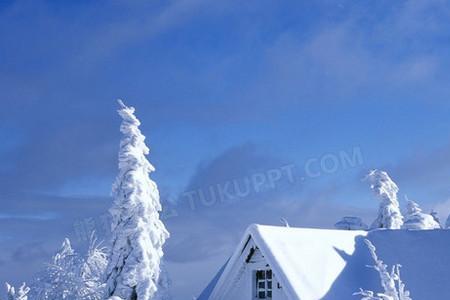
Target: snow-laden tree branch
[20, 294]
[393, 286]
[138, 234]
[389, 215]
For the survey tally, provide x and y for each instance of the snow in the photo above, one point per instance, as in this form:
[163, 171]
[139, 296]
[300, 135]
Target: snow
[325, 264]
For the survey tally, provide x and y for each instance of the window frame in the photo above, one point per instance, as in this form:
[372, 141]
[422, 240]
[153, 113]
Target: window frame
[263, 283]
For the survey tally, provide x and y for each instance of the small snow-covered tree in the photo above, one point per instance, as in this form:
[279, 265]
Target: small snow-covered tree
[416, 219]
[20, 294]
[351, 223]
[72, 277]
[393, 286]
[389, 215]
[59, 280]
[138, 234]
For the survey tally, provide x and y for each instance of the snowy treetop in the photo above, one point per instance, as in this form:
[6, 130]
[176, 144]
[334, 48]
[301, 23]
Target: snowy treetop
[389, 215]
[413, 208]
[383, 185]
[132, 146]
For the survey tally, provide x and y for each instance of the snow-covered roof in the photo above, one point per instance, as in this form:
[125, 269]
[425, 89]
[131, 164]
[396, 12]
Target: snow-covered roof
[316, 264]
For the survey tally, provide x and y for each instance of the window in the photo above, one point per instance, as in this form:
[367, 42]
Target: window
[264, 284]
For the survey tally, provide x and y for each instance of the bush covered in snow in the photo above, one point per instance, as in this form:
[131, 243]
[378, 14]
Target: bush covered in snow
[394, 288]
[351, 223]
[389, 215]
[416, 219]
[138, 234]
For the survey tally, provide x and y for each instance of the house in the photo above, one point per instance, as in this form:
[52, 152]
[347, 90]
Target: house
[283, 263]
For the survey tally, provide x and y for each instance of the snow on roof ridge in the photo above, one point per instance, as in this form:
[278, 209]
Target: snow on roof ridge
[263, 234]
[266, 250]
[254, 228]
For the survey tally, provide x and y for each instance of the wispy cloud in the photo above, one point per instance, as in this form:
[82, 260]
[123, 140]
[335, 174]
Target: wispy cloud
[32, 217]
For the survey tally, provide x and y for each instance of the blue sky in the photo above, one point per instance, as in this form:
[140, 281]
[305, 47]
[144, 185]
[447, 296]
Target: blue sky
[225, 90]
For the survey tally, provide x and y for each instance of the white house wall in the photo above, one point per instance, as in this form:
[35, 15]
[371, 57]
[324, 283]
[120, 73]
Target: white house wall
[243, 280]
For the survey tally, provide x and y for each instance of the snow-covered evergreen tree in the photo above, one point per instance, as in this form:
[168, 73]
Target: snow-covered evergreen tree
[389, 215]
[138, 234]
[416, 219]
[393, 286]
[351, 223]
[20, 294]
